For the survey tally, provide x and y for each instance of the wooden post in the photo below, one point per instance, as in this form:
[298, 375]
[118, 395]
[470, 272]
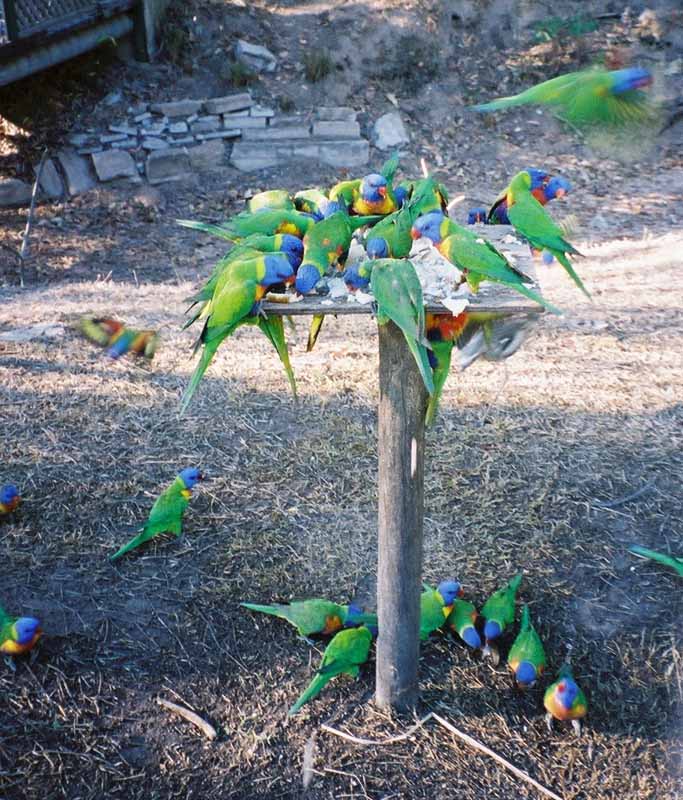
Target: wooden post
[402, 406]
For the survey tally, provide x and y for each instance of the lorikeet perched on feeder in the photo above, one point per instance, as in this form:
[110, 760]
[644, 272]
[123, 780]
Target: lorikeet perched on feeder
[462, 621]
[167, 512]
[475, 257]
[237, 294]
[443, 330]
[343, 655]
[564, 700]
[266, 222]
[390, 237]
[316, 616]
[436, 605]
[590, 98]
[499, 612]
[369, 195]
[9, 499]
[398, 295]
[526, 658]
[529, 218]
[271, 200]
[544, 188]
[662, 558]
[18, 634]
[317, 203]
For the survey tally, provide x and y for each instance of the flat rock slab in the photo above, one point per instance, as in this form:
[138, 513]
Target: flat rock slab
[273, 133]
[255, 56]
[231, 102]
[178, 108]
[208, 155]
[50, 180]
[252, 155]
[112, 164]
[335, 114]
[171, 164]
[345, 153]
[336, 130]
[249, 157]
[389, 131]
[14, 192]
[78, 172]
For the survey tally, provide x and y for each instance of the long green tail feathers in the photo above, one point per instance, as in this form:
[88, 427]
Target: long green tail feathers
[207, 227]
[661, 558]
[205, 359]
[314, 331]
[273, 327]
[274, 611]
[312, 690]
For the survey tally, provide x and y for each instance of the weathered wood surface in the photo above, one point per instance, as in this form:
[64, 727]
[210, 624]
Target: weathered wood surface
[401, 440]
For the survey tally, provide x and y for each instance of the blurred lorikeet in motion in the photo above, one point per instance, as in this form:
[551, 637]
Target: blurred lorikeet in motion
[564, 700]
[266, 222]
[443, 330]
[167, 512]
[478, 259]
[662, 558]
[529, 218]
[315, 617]
[18, 634]
[499, 612]
[343, 655]
[236, 296]
[271, 200]
[119, 338]
[9, 499]
[398, 296]
[462, 621]
[436, 606]
[590, 98]
[526, 658]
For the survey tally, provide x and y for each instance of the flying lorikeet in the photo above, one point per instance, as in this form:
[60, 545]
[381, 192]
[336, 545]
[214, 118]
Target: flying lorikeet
[529, 218]
[443, 331]
[343, 655]
[662, 558]
[564, 700]
[119, 338]
[499, 612]
[398, 296]
[316, 616]
[236, 296]
[462, 621]
[526, 658]
[167, 512]
[436, 605]
[18, 634]
[271, 200]
[266, 222]
[9, 499]
[590, 98]
[475, 257]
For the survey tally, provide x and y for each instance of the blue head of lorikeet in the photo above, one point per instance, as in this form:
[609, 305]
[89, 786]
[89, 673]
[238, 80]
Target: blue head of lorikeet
[626, 80]
[332, 206]
[547, 257]
[354, 618]
[476, 215]
[450, 590]
[9, 494]
[278, 270]
[557, 186]
[293, 248]
[401, 195]
[538, 177]
[356, 276]
[428, 225]
[566, 692]
[492, 630]
[526, 674]
[190, 476]
[373, 187]
[306, 278]
[377, 248]
[25, 629]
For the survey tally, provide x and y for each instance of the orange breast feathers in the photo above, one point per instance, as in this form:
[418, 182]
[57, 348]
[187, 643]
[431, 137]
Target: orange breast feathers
[5, 508]
[558, 711]
[13, 648]
[332, 625]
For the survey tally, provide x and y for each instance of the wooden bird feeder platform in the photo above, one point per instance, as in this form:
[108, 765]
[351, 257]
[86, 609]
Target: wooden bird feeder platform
[401, 444]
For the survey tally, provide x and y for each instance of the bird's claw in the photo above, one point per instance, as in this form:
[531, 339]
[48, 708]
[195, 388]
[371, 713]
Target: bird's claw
[308, 641]
[9, 662]
[576, 724]
[491, 651]
[549, 722]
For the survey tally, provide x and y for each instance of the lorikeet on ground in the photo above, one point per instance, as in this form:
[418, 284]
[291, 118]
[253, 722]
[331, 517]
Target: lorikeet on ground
[526, 657]
[398, 296]
[436, 605]
[266, 222]
[462, 621]
[475, 257]
[529, 218]
[316, 616]
[167, 512]
[564, 700]
[236, 296]
[343, 655]
[271, 200]
[589, 98]
[121, 340]
[18, 634]
[499, 612]
[669, 561]
[443, 331]
[9, 499]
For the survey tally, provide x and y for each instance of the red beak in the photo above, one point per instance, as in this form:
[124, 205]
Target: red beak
[461, 593]
[382, 191]
[415, 234]
[560, 193]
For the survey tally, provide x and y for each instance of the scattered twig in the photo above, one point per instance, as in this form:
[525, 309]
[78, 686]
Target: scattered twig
[626, 498]
[452, 729]
[424, 168]
[206, 728]
[23, 252]
[455, 201]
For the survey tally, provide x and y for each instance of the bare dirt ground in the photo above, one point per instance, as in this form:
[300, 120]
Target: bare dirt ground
[520, 464]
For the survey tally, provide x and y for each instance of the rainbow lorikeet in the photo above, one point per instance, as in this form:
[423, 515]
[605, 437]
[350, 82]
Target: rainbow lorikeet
[477, 216]
[478, 259]
[564, 700]
[436, 605]
[9, 499]
[499, 612]
[443, 331]
[271, 200]
[236, 297]
[662, 558]
[119, 338]
[526, 658]
[590, 98]
[544, 188]
[18, 634]
[316, 202]
[462, 620]
[316, 616]
[529, 218]
[345, 654]
[398, 296]
[266, 222]
[366, 196]
[167, 512]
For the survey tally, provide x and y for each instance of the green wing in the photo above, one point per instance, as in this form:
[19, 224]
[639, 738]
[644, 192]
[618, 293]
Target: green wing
[528, 645]
[309, 617]
[390, 167]
[501, 605]
[442, 352]
[431, 612]
[272, 199]
[661, 558]
[273, 327]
